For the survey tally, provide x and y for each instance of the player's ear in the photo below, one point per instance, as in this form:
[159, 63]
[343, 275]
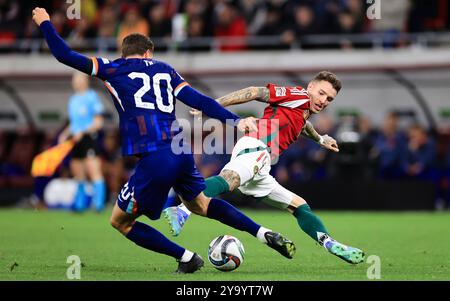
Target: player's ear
[148, 54]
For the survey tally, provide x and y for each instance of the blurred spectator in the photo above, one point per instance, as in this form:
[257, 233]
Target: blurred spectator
[305, 23]
[195, 30]
[291, 164]
[160, 26]
[426, 15]
[132, 22]
[231, 29]
[254, 13]
[108, 20]
[393, 21]
[389, 148]
[82, 31]
[274, 26]
[59, 22]
[9, 21]
[418, 161]
[17, 164]
[368, 137]
[199, 15]
[286, 21]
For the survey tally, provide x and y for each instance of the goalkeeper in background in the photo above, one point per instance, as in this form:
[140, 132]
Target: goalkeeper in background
[85, 120]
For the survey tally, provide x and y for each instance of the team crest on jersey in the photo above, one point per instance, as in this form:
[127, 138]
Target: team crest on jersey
[255, 169]
[280, 91]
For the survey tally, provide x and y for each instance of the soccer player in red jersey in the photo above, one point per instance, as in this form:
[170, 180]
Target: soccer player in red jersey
[284, 120]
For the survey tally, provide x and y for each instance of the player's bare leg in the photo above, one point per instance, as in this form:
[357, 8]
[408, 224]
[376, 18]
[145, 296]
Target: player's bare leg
[227, 214]
[122, 221]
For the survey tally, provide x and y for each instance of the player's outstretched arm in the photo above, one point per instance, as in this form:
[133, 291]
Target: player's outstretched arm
[213, 109]
[60, 50]
[242, 96]
[245, 95]
[325, 141]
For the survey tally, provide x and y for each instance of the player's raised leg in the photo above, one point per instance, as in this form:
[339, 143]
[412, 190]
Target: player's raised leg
[227, 214]
[311, 224]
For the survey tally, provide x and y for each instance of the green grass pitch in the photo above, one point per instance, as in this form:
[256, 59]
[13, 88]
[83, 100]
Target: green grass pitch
[34, 245]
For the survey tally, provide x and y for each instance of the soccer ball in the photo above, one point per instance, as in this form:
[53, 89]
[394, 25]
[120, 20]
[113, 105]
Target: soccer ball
[226, 253]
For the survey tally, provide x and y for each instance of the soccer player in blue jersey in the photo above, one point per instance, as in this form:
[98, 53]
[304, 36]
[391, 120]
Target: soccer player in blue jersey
[144, 92]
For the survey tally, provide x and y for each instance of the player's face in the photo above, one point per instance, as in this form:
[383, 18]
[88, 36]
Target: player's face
[321, 93]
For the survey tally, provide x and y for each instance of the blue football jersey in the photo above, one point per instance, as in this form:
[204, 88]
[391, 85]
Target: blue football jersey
[144, 93]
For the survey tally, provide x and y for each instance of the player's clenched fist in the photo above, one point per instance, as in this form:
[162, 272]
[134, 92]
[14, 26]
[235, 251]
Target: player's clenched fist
[247, 125]
[40, 15]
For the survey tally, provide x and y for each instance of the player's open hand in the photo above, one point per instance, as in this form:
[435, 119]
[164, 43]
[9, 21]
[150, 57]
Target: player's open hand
[40, 15]
[329, 143]
[247, 125]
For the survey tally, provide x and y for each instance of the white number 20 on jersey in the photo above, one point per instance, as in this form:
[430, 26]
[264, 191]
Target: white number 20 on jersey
[157, 90]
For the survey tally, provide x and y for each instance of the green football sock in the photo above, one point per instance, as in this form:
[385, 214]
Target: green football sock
[215, 185]
[309, 222]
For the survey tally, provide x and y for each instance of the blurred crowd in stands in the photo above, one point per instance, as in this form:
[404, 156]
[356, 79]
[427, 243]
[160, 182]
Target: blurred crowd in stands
[287, 21]
[391, 152]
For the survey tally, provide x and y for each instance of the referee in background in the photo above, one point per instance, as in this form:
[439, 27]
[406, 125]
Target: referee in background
[85, 120]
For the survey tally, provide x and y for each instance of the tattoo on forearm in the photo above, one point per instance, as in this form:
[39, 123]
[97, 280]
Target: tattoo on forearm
[309, 132]
[263, 94]
[245, 95]
[233, 179]
[237, 97]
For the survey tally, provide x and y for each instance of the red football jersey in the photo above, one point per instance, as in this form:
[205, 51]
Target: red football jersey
[283, 118]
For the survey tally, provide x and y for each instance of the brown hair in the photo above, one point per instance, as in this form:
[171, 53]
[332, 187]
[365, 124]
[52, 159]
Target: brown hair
[136, 43]
[329, 77]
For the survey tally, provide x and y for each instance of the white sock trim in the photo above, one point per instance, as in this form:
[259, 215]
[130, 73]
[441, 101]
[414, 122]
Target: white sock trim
[187, 255]
[260, 235]
[184, 208]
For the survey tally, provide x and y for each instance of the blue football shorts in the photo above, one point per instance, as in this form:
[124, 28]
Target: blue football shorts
[156, 172]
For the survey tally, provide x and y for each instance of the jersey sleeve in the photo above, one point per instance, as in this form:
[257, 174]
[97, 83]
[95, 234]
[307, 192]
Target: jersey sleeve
[287, 96]
[102, 68]
[177, 82]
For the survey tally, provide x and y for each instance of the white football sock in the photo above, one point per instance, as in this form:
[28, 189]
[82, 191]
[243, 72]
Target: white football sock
[184, 208]
[187, 255]
[260, 235]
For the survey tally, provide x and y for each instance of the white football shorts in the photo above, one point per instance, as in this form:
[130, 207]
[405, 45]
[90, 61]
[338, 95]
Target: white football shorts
[251, 160]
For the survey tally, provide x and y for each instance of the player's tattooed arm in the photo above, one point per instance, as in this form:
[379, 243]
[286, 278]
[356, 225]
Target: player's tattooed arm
[308, 131]
[240, 96]
[245, 95]
[325, 141]
[232, 178]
